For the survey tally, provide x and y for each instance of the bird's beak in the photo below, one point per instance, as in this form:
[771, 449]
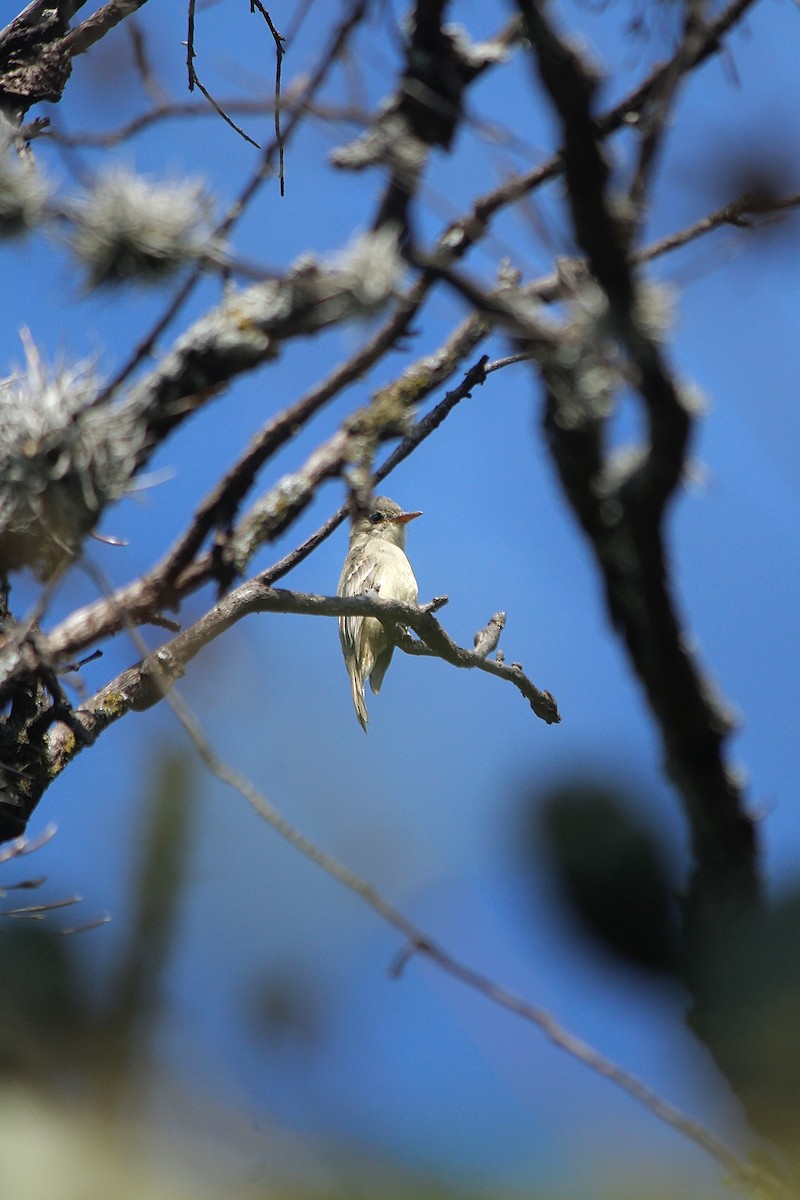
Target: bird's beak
[404, 517]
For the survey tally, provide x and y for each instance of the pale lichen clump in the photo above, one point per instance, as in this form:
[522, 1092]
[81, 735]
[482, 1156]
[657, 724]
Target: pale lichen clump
[128, 227]
[372, 264]
[63, 458]
[24, 193]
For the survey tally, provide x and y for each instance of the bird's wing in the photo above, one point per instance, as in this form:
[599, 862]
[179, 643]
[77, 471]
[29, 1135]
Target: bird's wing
[358, 577]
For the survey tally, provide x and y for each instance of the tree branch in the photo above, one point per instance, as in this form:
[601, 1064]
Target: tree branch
[144, 685]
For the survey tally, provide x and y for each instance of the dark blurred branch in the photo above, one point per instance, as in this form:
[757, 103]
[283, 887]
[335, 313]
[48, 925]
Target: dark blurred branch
[129, 1015]
[621, 509]
[426, 109]
[165, 109]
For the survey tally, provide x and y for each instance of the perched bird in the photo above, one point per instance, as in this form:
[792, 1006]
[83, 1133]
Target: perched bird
[376, 561]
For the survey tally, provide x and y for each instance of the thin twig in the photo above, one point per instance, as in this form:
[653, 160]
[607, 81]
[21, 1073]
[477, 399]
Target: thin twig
[653, 122]
[238, 207]
[194, 80]
[417, 941]
[196, 83]
[150, 81]
[738, 214]
[280, 50]
[693, 724]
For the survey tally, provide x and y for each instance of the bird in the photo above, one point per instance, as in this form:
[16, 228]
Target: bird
[376, 561]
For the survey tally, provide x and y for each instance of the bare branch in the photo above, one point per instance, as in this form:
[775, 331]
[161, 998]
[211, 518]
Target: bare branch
[144, 685]
[486, 640]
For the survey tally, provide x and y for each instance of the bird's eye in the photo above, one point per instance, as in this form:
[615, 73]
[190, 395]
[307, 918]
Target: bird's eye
[375, 518]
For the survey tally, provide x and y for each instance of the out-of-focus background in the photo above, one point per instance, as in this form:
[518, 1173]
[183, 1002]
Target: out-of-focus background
[235, 1029]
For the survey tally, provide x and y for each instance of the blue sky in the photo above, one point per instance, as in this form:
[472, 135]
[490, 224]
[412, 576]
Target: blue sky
[428, 805]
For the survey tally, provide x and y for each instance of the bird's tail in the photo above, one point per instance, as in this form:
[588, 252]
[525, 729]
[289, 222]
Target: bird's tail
[379, 670]
[357, 688]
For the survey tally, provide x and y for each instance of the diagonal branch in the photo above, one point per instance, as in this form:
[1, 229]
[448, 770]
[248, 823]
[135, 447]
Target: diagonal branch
[219, 508]
[136, 602]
